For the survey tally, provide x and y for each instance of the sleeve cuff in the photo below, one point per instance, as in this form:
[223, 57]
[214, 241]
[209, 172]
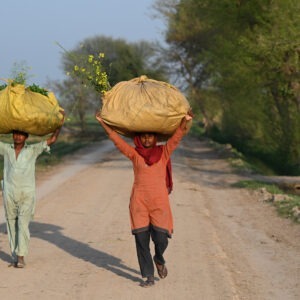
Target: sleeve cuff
[46, 147]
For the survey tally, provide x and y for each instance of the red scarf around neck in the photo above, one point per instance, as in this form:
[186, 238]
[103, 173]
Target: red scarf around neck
[152, 156]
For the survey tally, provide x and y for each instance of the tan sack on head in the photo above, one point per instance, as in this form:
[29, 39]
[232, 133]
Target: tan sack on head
[144, 105]
[31, 112]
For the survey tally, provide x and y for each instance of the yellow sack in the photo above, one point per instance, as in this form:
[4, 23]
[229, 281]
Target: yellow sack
[31, 112]
[144, 105]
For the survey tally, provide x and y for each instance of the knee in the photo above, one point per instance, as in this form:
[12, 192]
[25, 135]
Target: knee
[142, 237]
[159, 237]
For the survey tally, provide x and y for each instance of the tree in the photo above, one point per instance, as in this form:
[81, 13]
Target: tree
[77, 99]
[121, 61]
[243, 59]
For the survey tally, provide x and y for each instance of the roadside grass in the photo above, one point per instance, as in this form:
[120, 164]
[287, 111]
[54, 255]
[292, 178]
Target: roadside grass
[286, 208]
[289, 209]
[249, 165]
[256, 184]
[239, 162]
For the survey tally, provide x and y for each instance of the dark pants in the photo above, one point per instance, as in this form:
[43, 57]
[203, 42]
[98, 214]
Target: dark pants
[142, 241]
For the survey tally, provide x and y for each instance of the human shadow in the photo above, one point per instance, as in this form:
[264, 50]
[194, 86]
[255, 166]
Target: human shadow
[5, 257]
[53, 234]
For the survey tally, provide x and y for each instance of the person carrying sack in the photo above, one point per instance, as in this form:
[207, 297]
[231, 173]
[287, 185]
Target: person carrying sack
[19, 189]
[150, 211]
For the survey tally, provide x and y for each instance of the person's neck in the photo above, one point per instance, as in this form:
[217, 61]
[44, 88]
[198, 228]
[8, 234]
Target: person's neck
[19, 146]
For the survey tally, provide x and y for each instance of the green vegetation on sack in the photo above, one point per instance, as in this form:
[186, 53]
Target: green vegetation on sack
[20, 72]
[20, 76]
[35, 88]
[3, 86]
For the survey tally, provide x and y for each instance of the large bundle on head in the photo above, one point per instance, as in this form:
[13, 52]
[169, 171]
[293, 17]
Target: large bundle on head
[144, 105]
[31, 112]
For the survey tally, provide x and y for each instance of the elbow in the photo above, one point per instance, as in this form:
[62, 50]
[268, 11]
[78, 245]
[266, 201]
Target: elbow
[51, 141]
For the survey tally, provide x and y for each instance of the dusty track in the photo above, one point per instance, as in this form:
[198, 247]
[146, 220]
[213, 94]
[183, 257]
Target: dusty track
[226, 244]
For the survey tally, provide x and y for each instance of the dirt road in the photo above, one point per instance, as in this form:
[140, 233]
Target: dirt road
[226, 244]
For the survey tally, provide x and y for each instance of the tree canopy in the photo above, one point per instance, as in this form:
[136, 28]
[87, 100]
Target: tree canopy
[240, 61]
[120, 61]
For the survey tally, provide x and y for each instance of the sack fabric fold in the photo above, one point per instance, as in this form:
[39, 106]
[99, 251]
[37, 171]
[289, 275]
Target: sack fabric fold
[31, 112]
[144, 105]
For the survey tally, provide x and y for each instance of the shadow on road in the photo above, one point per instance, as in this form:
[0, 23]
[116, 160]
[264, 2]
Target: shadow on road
[54, 235]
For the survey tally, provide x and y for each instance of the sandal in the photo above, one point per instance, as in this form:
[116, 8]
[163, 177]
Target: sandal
[148, 283]
[20, 263]
[13, 264]
[161, 270]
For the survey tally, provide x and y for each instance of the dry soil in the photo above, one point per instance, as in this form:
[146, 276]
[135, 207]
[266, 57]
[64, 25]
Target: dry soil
[226, 244]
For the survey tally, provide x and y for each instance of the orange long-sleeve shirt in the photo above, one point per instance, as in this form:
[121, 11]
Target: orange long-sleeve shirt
[149, 201]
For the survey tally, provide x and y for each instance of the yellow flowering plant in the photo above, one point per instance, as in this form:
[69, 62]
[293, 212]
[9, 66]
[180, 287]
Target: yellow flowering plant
[89, 70]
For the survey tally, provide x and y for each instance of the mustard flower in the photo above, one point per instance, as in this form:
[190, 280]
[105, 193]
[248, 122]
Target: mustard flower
[91, 58]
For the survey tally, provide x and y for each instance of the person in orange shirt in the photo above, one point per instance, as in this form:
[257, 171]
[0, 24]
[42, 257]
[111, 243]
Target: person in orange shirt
[150, 211]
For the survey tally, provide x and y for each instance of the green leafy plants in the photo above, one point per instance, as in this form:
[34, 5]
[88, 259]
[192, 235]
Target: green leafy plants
[3, 86]
[35, 88]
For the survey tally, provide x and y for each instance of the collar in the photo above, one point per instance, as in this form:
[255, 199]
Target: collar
[13, 146]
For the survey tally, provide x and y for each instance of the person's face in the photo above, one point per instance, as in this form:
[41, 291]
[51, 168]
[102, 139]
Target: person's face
[19, 137]
[147, 139]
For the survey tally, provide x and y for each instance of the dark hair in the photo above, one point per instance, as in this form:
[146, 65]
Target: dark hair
[141, 133]
[21, 132]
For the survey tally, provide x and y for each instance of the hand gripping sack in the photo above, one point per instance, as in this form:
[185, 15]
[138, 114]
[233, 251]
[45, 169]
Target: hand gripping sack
[31, 112]
[144, 105]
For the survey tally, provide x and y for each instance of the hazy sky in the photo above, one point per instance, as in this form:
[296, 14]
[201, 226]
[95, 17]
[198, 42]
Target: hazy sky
[30, 28]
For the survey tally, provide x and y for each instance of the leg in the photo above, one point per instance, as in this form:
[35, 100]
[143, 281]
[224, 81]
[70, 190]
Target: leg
[11, 214]
[11, 225]
[23, 237]
[160, 240]
[142, 241]
[26, 208]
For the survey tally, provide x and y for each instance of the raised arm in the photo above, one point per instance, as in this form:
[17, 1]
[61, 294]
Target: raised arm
[107, 129]
[188, 117]
[123, 147]
[175, 139]
[52, 139]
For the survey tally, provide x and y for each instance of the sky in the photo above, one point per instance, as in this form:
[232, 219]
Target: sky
[31, 29]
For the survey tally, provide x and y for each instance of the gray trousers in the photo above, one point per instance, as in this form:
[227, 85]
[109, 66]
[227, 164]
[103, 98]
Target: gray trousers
[142, 241]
